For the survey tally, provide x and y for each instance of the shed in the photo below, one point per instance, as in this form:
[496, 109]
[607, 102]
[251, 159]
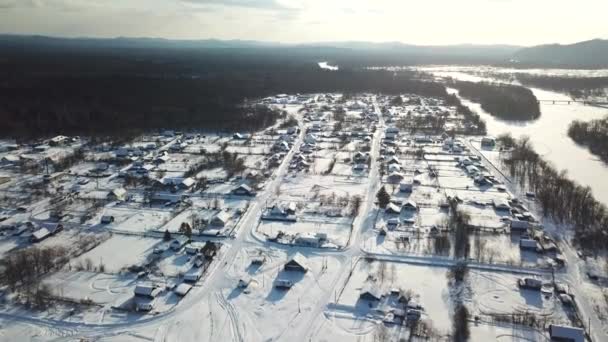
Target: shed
[195, 248]
[528, 244]
[406, 185]
[565, 333]
[147, 290]
[297, 263]
[307, 240]
[193, 275]
[40, 234]
[106, 219]
[519, 225]
[501, 204]
[178, 242]
[182, 289]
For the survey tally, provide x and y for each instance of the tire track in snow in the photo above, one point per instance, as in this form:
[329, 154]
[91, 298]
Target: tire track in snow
[232, 316]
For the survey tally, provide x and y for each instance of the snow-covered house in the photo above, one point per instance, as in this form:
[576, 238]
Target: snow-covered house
[488, 142]
[370, 292]
[118, 194]
[9, 160]
[392, 208]
[392, 168]
[46, 230]
[243, 190]
[297, 263]
[410, 205]
[472, 170]
[221, 219]
[393, 160]
[360, 157]
[310, 138]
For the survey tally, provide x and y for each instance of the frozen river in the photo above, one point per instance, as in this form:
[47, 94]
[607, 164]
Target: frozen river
[549, 134]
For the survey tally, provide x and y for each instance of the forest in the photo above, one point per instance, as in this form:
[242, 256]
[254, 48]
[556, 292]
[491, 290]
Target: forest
[82, 92]
[592, 134]
[576, 87]
[507, 102]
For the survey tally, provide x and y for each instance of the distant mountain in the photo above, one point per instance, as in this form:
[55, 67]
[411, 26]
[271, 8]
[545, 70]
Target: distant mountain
[587, 54]
[463, 50]
[470, 50]
[128, 42]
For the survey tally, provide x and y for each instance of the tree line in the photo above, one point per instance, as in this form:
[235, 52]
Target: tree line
[505, 101]
[592, 134]
[561, 199]
[577, 87]
[45, 93]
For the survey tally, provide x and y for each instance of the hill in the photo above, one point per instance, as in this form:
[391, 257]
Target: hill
[587, 54]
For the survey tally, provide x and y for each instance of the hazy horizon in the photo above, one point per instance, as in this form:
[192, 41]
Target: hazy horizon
[434, 22]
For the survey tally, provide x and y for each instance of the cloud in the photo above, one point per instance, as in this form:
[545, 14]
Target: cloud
[259, 4]
[63, 5]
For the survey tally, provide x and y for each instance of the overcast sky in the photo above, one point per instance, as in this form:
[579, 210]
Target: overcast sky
[521, 22]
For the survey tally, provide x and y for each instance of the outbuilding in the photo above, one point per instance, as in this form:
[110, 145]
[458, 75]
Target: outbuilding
[182, 289]
[563, 333]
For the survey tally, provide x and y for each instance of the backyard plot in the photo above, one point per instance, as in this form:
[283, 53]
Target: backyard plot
[99, 288]
[334, 234]
[118, 252]
[264, 312]
[144, 220]
[302, 187]
[485, 293]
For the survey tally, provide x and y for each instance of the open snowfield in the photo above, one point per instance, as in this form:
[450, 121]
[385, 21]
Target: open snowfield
[120, 251]
[98, 287]
[301, 187]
